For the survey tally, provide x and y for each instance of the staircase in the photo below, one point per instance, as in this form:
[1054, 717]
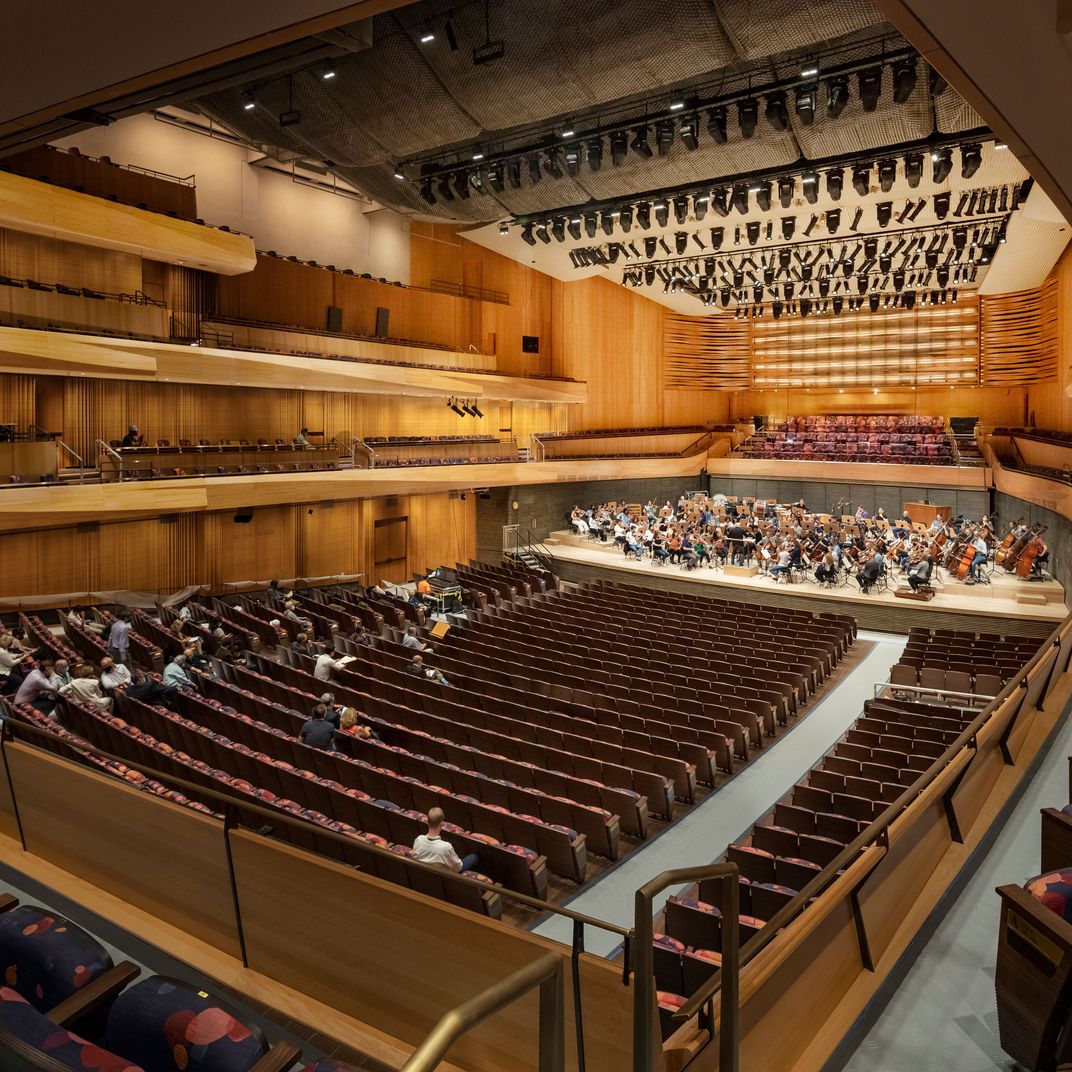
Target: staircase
[522, 548]
[965, 445]
[78, 474]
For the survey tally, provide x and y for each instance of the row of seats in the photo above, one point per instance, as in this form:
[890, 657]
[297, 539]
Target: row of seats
[172, 473]
[411, 440]
[80, 292]
[891, 422]
[402, 463]
[204, 446]
[599, 433]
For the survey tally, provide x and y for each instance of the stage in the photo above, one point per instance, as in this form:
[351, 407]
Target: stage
[1006, 605]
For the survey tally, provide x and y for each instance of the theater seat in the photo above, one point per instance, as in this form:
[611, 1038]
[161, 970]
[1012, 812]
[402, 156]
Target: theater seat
[46, 958]
[163, 1025]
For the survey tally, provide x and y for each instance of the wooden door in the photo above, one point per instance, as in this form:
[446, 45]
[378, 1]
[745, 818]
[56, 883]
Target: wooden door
[389, 552]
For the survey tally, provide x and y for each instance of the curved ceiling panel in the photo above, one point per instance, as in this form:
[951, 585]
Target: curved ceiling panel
[763, 29]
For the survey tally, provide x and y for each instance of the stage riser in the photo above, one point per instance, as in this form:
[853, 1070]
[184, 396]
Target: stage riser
[882, 617]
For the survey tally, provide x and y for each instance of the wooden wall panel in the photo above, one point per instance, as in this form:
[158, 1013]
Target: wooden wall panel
[259, 550]
[442, 530]
[707, 353]
[1020, 336]
[50, 260]
[330, 539]
[1049, 403]
[18, 400]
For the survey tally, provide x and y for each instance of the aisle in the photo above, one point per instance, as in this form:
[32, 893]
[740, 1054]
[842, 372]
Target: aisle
[703, 834]
[942, 1015]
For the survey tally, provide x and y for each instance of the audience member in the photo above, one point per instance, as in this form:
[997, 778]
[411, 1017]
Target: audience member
[411, 640]
[144, 688]
[317, 731]
[325, 665]
[119, 639]
[11, 674]
[430, 848]
[85, 686]
[175, 671]
[114, 675]
[418, 669]
[39, 688]
[133, 438]
[61, 670]
[350, 725]
[275, 595]
[301, 645]
[77, 617]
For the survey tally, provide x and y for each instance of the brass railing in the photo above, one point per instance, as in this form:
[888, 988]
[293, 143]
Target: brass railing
[546, 973]
[647, 1044]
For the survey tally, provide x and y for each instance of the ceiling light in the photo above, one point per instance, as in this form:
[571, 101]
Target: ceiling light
[427, 35]
[776, 112]
[328, 72]
[248, 103]
[640, 142]
[541, 232]
[535, 171]
[716, 124]
[426, 191]
[752, 230]
[567, 131]
[662, 214]
[809, 183]
[681, 241]
[574, 227]
[870, 84]
[747, 114]
[526, 234]
[971, 156]
[461, 184]
[699, 207]
[664, 136]
[619, 147]
[1000, 145]
[833, 219]
[805, 104]
[625, 219]
[861, 179]
[811, 225]
[643, 215]
[786, 187]
[478, 155]
[887, 173]
[763, 195]
[504, 229]
[789, 225]
[717, 235]
[689, 131]
[681, 209]
[835, 183]
[941, 205]
[590, 224]
[942, 160]
[740, 198]
[398, 172]
[495, 178]
[551, 164]
[913, 168]
[606, 221]
[904, 79]
[573, 161]
[837, 95]
[677, 105]
[558, 229]
[720, 201]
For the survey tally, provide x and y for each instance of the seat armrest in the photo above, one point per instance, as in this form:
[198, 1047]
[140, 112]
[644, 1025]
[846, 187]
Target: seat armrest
[105, 987]
[8, 901]
[279, 1058]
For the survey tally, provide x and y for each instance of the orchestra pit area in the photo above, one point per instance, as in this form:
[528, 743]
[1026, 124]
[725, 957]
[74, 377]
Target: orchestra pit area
[536, 540]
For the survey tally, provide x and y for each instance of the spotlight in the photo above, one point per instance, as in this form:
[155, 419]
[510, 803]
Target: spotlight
[551, 164]
[720, 201]
[786, 187]
[870, 83]
[913, 169]
[452, 404]
[716, 124]
[724, 296]
[650, 246]
[776, 112]
[873, 301]
[753, 232]
[662, 213]
[938, 84]
[971, 156]
[248, 101]
[835, 183]
[427, 35]
[619, 147]
[837, 95]
[625, 220]
[776, 309]
[558, 229]
[443, 188]
[942, 159]
[962, 204]
[904, 79]
[740, 198]
[941, 205]
[573, 161]
[921, 204]
[838, 304]
[811, 225]
[461, 184]
[861, 179]
[908, 299]
[426, 191]
[681, 241]
[887, 174]
[809, 183]
[942, 276]
[574, 228]
[649, 275]
[541, 233]
[871, 248]
[477, 412]
[689, 131]
[806, 104]
[495, 178]
[590, 224]
[452, 37]
[643, 215]
[789, 224]
[328, 72]
[681, 209]
[763, 195]
[606, 221]
[640, 144]
[833, 219]
[595, 153]
[747, 114]
[699, 207]
[717, 235]
[664, 136]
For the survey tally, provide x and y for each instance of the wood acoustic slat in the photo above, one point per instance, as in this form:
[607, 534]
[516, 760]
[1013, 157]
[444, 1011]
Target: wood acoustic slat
[707, 353]
[1019, 336]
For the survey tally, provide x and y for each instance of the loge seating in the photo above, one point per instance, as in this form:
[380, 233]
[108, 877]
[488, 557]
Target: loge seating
[953, 661]
[905, 440]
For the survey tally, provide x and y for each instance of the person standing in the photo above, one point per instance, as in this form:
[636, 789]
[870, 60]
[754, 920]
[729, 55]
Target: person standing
[119, 639]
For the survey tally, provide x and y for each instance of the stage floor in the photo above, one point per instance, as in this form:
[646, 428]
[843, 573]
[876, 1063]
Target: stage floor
[1002, 598]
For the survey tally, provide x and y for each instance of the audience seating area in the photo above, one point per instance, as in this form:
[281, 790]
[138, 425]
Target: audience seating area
[885, 752]
[137, 298]
[890, 439]
[400, 451]
[229, 457]
[951, 661]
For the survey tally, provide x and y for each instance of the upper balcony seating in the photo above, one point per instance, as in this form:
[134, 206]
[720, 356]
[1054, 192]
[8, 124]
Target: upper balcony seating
[891, 439]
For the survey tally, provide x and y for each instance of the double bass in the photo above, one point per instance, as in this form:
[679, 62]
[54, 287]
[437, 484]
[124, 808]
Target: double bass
[1035, 546]
[1006, 544]
[1018, 547]
[965, 554]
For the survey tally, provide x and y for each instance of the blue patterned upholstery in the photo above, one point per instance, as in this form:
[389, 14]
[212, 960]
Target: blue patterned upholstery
[167, 1026]
[47, 958]
[24, 1022]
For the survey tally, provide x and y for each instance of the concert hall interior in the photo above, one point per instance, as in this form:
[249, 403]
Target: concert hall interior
[536, 537]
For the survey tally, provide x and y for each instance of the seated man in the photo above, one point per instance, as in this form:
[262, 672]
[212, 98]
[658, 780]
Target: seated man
[175, 671]
[783, 565]
[430, 848]
[978, 562]
[317, 731]
[113, 675]
[411, 640]
[144, 688]
[869, 575]
[133, 438]
[417, 668]
[39, 688]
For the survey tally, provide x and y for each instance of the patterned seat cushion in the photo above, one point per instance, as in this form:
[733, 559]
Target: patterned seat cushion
[45, 958]
[167, 1026]
[326, 1064]
[24, 1022]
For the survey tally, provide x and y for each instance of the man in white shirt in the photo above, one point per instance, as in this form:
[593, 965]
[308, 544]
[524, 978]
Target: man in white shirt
[113, 675]
[411, 640]
[430, 848]
[324, 666]
[175, 672]
[982, 553]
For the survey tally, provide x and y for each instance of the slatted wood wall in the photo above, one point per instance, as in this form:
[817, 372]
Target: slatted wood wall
[711, 353]
[1019, 336]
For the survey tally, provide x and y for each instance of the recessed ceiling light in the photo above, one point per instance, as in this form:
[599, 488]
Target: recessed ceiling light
[1000, 145]
[809, 72]
[427, 36]
[676, 106]
[478, 156]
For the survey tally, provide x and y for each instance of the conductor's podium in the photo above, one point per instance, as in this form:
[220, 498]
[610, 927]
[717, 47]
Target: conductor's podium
[1033, 978]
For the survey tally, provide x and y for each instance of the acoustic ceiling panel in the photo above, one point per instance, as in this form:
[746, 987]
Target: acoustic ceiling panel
[764, 29]
[953, 113]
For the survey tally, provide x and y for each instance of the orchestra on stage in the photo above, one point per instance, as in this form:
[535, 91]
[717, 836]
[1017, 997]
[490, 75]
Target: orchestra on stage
[788, 542]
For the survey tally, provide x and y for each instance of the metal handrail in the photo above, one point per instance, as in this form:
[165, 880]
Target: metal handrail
[107, 449]
[874, 832]
[273, 816]
[369, 452]
[881, 686]
[546, 972]
[645, 1039]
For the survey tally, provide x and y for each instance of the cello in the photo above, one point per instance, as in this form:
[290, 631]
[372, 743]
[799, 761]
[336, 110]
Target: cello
[1006, 544]
[965, 555]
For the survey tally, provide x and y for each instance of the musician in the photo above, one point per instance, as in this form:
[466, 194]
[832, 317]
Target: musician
[659, 553]
[982, 552]
[1042, 556]
[736, 536]
[826, 571]
[900, 553]
[902, 526]
[861, 514]
[783, 565]
[881, 514]
[700, 550]
[869, 575]
[920, 574]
